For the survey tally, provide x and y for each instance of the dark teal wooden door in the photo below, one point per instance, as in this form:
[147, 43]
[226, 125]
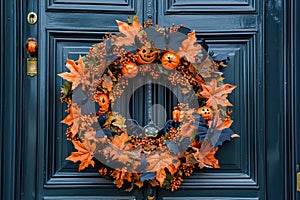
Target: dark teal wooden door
[67, 28]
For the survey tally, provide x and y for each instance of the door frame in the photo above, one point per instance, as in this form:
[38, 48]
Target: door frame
[280, 21]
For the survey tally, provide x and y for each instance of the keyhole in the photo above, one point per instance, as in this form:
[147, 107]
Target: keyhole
[32, 18]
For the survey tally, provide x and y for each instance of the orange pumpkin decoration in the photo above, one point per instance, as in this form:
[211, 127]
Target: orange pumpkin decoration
[130, 70]
[170, 60]
[146, 55]
[177, 115]
[103, 102]
[206, 113]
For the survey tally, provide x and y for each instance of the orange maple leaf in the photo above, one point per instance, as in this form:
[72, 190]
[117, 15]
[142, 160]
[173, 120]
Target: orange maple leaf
[76, 72]
[129, 31]
[187, 129]
[159, 161]
[217, 123]
[206, 68]
[161, 176]
[73, 118]
[216, 95]
[206, 155]
[84, 153]
[139, 184]
[188, 47]
[120, 142]
[153, 183]
[120, 176]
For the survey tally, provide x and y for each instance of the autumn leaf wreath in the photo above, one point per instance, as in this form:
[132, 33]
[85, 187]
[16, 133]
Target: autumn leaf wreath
[162, 157]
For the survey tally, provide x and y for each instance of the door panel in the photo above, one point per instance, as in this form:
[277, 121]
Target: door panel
[67, 29]
[239, 34]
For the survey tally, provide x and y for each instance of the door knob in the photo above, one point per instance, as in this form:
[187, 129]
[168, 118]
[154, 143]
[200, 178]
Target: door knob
[32, 50]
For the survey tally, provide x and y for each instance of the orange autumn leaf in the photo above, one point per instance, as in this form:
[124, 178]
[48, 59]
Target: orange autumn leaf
[158, 162]
[216, 95]
[206, 68]
[187, 129]
[172, 168]
[73, 118]
[120, 142]
[76, 72]
[129, 32]
[154, 183]
[206, 155]
[84, 154]
[139, 184]
[160, 176]
[120, 176]
[189, 48]
[227, 123]
[218, 124]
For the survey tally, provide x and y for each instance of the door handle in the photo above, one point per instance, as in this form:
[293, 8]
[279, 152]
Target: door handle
[32, 50]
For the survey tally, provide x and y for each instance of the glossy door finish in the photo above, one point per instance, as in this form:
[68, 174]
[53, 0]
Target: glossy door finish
[295, 122]
[254, 166]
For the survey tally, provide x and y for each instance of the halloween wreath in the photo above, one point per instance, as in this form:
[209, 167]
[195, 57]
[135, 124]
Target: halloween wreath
[118, 147]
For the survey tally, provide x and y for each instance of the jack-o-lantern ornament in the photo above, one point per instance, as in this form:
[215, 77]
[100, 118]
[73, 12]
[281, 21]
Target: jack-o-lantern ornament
[206, 113]
[130, 70]
[103, 102]
[177, 115]
[170, 60]
[146, 55]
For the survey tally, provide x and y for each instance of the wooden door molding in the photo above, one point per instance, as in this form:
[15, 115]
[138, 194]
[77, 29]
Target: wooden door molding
[11, 99]
[292, 96]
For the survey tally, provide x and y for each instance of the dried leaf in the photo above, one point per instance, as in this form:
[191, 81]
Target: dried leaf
[116, 120]
[189, 48]
[216, 95]
[84, 154]
[76, 72]
[73, 118]
[206, 155]
[161, 176]
[206, 68]
[160, 161]
[65, 90]
[120, 176]
[120, 142]
[188, 129]
[107, 83]
[154, 183]
[129, 31]
[217, 123]
[139, 184]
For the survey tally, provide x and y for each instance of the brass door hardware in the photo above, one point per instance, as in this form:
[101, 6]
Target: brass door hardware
[32, 50]
[32, 18]
[31, 66]
[298, 181]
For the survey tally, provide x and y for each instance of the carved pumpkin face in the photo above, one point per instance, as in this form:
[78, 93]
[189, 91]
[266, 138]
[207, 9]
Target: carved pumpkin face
[206, 113]
[146, 55]
[177, 116]
[103, 102]
[130, 70]
[170, 60]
